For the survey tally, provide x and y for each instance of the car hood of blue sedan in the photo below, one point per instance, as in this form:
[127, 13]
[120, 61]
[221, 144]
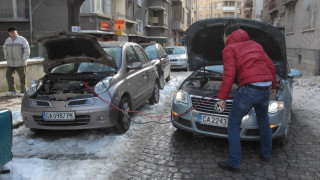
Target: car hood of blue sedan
[67, 47]
[205, 43]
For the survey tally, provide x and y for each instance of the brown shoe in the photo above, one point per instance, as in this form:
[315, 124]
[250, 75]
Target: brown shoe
[224, 165]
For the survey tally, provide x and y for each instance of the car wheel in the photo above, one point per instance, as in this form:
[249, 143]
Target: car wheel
[124, 118]
[155, 95]
[283, 140]
[161, 78]
[169, 76]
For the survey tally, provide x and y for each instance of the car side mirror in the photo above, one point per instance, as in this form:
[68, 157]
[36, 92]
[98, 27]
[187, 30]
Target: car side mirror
[135, 65]
[295, 74]
[164, 56]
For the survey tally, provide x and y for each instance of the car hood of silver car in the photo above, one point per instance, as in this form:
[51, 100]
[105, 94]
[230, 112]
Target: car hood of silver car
[66, 47]
[205, 43]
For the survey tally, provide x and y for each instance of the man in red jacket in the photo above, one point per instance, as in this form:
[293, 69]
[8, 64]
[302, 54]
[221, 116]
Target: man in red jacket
[247, 61]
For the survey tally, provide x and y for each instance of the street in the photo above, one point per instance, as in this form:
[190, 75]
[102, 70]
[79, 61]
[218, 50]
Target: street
[154, 149]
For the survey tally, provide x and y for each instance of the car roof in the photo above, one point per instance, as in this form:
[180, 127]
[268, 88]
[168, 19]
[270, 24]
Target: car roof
[115, 43]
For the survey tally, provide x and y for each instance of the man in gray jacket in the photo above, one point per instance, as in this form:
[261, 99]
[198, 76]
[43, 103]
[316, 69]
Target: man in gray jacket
[16, 52]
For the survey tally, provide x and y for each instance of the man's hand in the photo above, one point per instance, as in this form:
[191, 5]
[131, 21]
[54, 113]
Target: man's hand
[222, 104]
[273, 93]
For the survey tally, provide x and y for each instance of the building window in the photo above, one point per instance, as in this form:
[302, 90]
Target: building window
[140, 26]
[139, 3]
[12, 9]
[219, 5]
[309, 16]
[290, 19]
[208, 7]
[96, 6]
[207, 16]
[217, 15]
[228, 14]
[199, 17]
[238, 15]
[229, 4]
[200, 8]
[239, 5]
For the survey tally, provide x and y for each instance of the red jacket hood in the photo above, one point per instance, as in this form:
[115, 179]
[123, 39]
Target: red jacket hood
[237, 36]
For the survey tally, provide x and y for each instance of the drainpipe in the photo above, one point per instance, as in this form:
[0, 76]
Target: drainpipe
[31, 25]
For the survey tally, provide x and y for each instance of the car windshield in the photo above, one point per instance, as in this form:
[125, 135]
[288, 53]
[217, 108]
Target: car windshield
[151, 52]
[175, 50]
[82, 67]
[114, 52]
[216, 69]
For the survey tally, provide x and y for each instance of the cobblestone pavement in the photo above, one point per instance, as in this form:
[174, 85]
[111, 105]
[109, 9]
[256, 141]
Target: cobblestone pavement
[168, 153]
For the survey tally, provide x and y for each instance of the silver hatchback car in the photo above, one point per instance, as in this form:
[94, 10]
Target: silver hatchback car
[86, 82]
[196, 100]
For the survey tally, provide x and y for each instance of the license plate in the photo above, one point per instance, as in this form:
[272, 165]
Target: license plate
[58, 116]
[213, 120]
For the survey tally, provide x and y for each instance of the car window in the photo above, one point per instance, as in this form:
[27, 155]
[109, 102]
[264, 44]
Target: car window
[131, 56]
[82, 67]
[115, 52]
[175, 50]
[94, 67]
[151, 52]
[141, 55]
[161, 51]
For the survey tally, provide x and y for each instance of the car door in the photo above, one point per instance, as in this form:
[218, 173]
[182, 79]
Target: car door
[150, 70]
[165, 62]
[137, 78]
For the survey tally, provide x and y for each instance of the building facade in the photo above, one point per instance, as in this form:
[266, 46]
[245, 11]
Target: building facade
[162, 21]
[218, 8]
[301, 22]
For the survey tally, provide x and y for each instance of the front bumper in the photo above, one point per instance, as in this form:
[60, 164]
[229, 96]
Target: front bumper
[99, 115]
[249, 127]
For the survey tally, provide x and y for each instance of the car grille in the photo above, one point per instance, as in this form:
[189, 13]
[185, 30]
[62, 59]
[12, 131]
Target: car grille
[183, 121]
[43, 103]
[206, 105]
[213, 129]
[77, 102]
[172, 60]
[80, 120]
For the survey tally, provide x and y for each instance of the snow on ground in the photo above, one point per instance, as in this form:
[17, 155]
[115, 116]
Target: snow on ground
[90, 154]
[95, 154]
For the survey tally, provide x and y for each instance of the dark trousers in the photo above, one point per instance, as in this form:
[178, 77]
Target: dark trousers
[10, 78]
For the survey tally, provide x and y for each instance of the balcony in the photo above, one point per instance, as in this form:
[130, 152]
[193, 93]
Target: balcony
[247, 10]
[248, 3]
[229, 8]
[175, 2]
[289, 2]
[157, 5]
[176, 25]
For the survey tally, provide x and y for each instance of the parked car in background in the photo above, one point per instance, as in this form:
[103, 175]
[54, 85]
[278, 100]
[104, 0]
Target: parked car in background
[199, 91]
[159, 58]
[117, 72]
[178, 57]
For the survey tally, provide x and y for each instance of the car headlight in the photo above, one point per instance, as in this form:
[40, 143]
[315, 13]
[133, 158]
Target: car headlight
[181, 96]
[103, 85]
[275, 106]
[34, 87]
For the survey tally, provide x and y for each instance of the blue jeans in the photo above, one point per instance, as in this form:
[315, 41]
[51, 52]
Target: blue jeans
[245, 99]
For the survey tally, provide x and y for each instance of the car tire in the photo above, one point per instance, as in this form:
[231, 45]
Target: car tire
[169, 77]
[124, 118]
[161, 79]
[284, 139]
[155, 95]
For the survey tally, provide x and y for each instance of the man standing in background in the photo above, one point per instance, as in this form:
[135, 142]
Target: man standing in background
[16, 52]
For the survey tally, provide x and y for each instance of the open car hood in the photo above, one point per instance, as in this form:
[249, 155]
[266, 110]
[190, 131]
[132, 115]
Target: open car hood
[66, 47]
[205, 43]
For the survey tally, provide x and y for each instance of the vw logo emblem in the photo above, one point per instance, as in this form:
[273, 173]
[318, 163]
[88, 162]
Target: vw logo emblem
[217, 108]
